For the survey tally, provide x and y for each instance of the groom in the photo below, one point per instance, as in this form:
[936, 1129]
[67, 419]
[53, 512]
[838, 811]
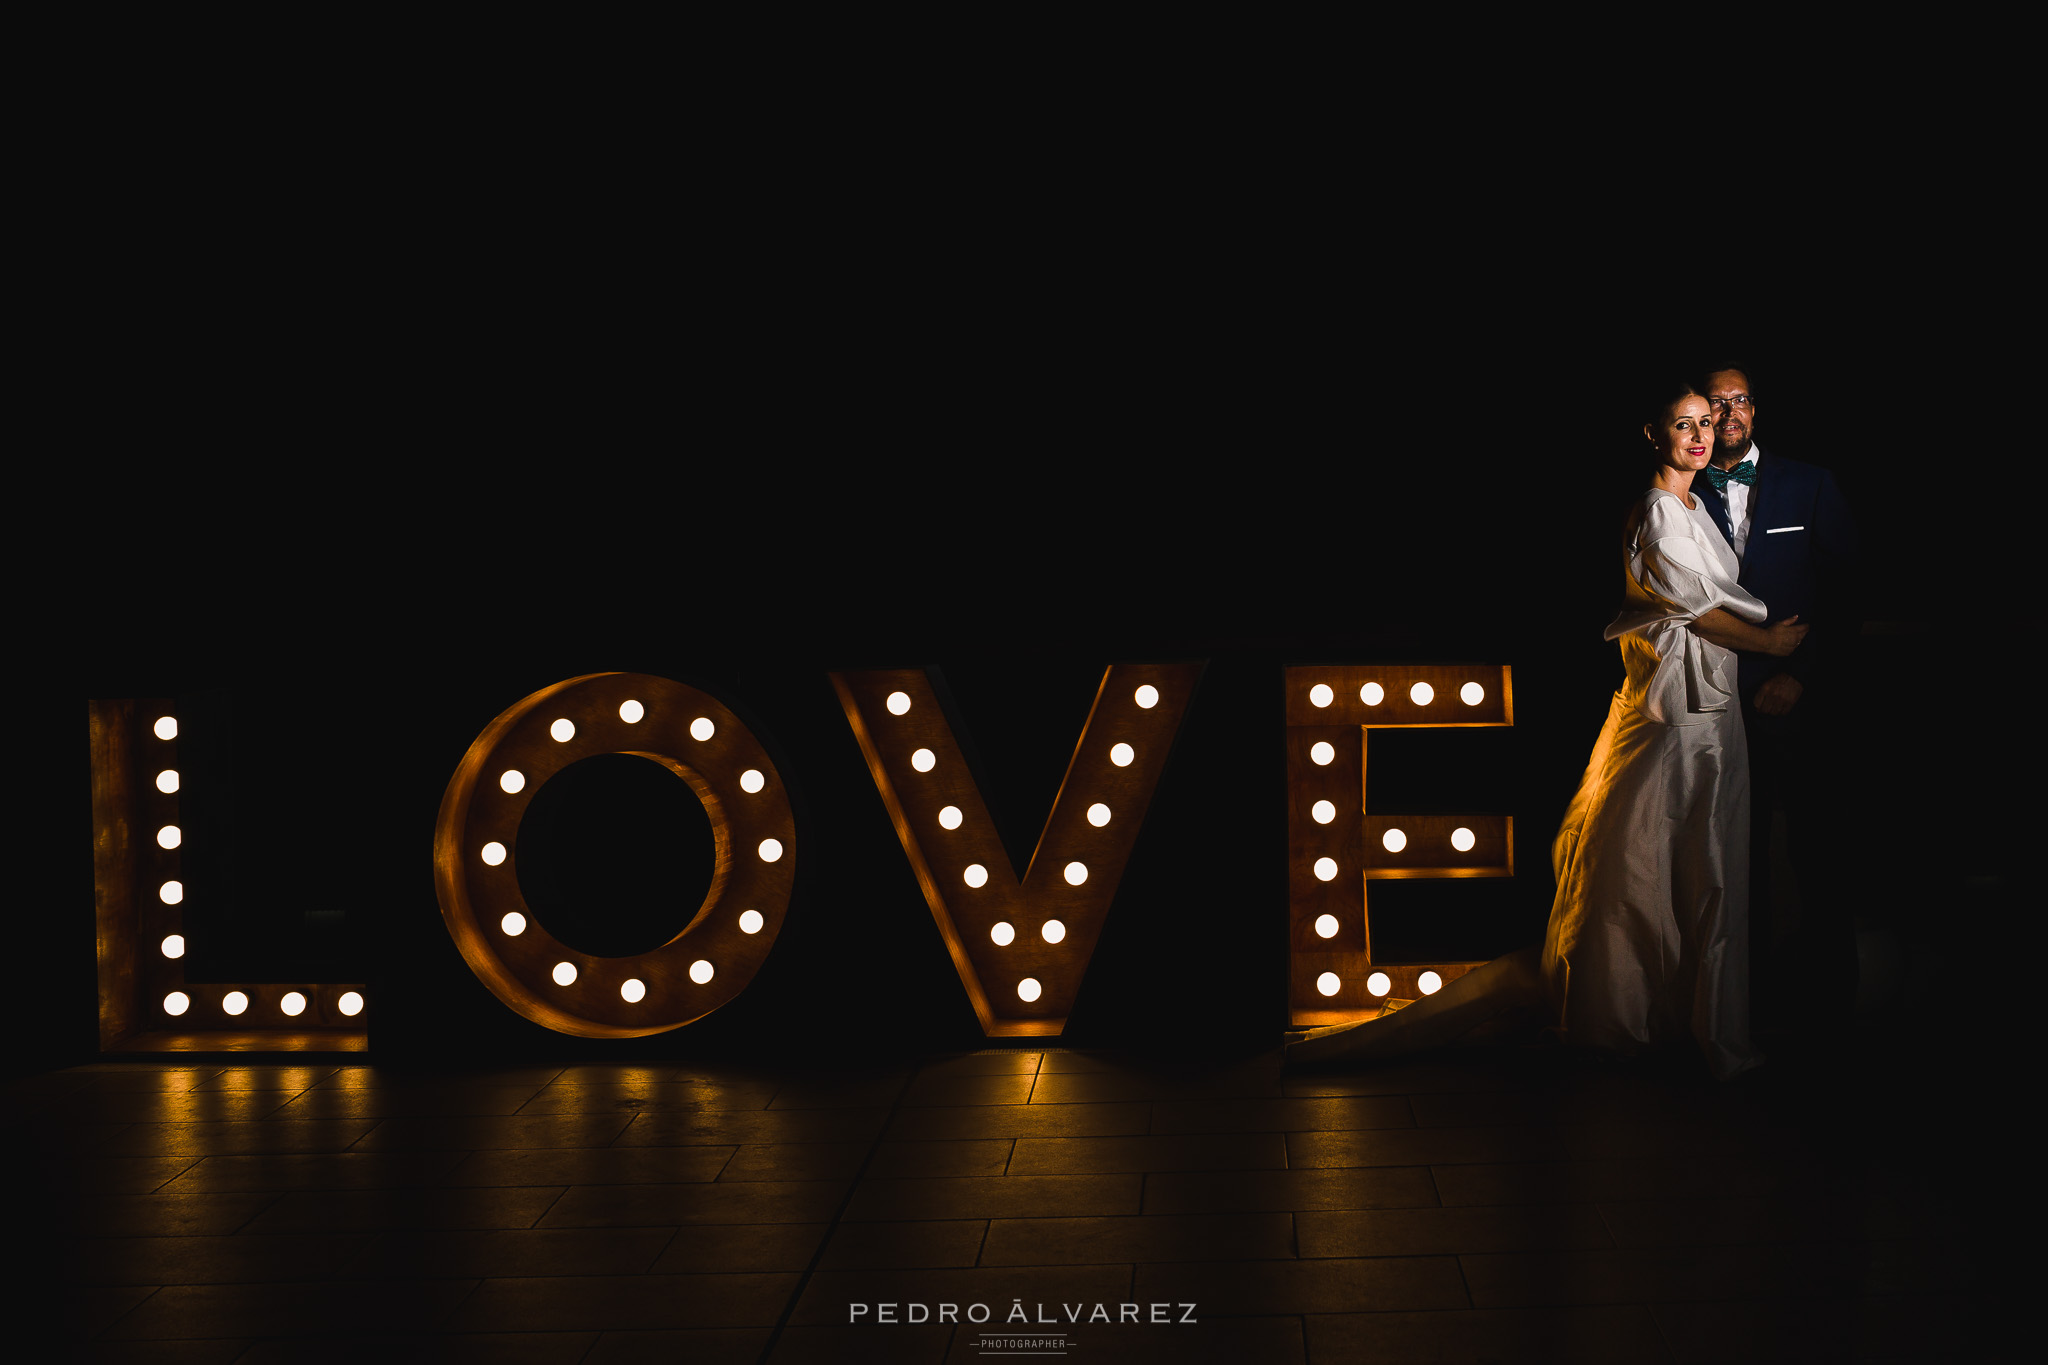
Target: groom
[1791, 529]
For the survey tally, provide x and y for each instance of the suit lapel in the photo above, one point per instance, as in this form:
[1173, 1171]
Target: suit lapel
[1757, 498]
[1717, 506]
[1754, 541]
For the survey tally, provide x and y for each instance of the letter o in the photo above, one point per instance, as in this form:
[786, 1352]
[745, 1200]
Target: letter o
[475, 897]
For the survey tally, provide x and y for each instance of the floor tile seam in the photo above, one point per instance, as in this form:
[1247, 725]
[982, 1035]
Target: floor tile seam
[268, 1205]
[107, 1139]
[133, 1308]
[560, 1194]
[182, 1172]
[853, 1186]
[1351, 1313]
[1655, 1297]
[1722, 1248]
[1464, 1280]
[1756, 1244]
[1302, 1171]
[1170, 1170]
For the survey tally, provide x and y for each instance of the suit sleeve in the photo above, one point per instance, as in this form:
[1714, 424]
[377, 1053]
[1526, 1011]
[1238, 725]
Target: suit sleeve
[1837, 617]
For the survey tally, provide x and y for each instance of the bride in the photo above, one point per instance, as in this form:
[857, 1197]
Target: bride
[1649, 934]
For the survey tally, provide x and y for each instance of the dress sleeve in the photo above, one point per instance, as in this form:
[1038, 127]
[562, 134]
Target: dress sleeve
[1672, 578]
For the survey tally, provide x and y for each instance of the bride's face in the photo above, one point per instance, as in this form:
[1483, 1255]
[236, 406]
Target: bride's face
[1684, 441]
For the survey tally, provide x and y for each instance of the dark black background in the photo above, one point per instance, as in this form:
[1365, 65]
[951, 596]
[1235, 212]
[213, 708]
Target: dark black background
[352, 485]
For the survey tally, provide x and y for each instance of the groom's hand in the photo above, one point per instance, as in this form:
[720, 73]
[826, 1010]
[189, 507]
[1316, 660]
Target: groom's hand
[1778, 694]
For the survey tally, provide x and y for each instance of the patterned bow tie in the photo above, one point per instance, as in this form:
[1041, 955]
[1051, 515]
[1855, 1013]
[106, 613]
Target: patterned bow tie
[1742, 473]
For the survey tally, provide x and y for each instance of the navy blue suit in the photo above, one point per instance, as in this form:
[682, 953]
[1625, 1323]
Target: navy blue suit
[1801, 572]
[1800, 561]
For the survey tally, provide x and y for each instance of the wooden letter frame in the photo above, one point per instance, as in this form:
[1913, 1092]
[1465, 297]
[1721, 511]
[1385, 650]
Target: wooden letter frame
[1354, 838]
[131, 920]
[475, 897]
[966, 914]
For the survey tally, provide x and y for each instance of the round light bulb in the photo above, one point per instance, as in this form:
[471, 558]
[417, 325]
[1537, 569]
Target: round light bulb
[1422, 694]
[1323, 752]
[512, 781]
[166, 727]
[294, 1003]
[1326, 869]
[1076, 873]
[565, 973]
[1098, 815]
[1004, 933]
[1323, 812]
[177, 1002]
[170, 836]
[950, 817]
[563, 730]
[898, 703]
[702, 729]
[351, 1003]
[493, 853]
[1429, 983]
[1122, 754]
[1052, 931]
[976, 875]
[771, 850]
[513, 924]
[1462, 839]
[1028, 989]
[1326, 926]
[751, 921]
[631, 712]
[1328, 984]
[1147, 696]
[1471, 694]
[173, 946]
[167, 781]
[924, 760]
[752, 781]
[1321, 695]
[234, 1002]
[700, 971]
[1393, 841]
[633, 990]
[1379, 983]
[1372, 694]
[170, 893]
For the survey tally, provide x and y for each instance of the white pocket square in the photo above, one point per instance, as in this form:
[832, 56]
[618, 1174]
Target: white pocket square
[1773, 530]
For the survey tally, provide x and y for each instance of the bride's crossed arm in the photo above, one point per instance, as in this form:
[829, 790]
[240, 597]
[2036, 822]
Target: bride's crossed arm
[1732, 632]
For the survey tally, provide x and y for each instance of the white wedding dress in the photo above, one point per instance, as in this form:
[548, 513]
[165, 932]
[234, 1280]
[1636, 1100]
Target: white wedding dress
[1648, 937]
[1649, 934]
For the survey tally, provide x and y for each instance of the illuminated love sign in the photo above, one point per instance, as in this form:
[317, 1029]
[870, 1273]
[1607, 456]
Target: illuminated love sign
[1021, 943]
[1336, 849]
[714, 956]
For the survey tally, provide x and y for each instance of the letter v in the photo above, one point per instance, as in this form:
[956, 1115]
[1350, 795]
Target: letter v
[1021, 946]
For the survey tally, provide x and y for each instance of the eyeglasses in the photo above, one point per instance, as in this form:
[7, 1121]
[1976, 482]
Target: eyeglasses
[1740, 400]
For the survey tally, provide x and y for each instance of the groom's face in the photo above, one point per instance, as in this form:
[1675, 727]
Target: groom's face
[1734, 411]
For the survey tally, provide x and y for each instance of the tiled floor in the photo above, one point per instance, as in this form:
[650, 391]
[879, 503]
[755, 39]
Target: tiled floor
[1487, 1204]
